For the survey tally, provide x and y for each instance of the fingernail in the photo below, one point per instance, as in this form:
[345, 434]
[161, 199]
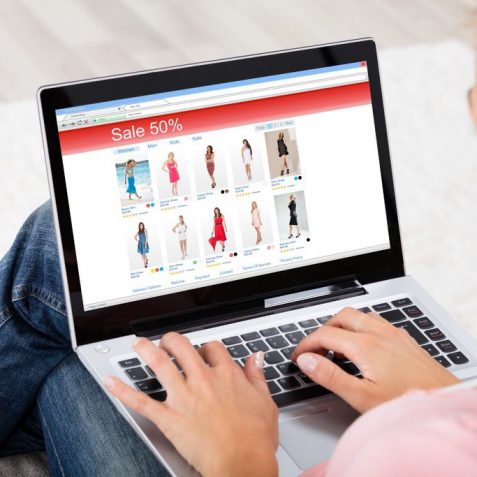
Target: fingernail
[109, 383]
[307, 363]
[258, 359]
[139, 340]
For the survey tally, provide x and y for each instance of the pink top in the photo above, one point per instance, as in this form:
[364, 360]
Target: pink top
[422, 433]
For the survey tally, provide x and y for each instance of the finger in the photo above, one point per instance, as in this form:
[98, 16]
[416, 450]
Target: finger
[330, 338]
[160, 362]
[354, 320]
[216, 354]
[327, 374]
[185, 354]
[137, 401]
[254, 371]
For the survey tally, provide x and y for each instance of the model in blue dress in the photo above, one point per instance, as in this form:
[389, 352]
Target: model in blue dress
[142, 243]
[129, 178]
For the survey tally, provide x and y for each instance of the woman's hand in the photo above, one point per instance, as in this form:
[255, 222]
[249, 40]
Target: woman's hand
[219, 417]
[390, 361]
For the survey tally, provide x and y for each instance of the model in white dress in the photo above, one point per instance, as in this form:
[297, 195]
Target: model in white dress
[180, 229]
[247, 158]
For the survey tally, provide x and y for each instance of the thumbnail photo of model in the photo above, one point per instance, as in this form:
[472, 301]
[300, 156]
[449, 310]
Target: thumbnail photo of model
[210, 164]
[180, 229]
[134, 181]
[292, 218]
[142, 239]
[247, 158]
[219, 230]
[282, 152]
[170, 167]
[256, 221]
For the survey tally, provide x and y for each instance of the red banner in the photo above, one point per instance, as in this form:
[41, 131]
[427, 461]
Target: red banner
[212, 118]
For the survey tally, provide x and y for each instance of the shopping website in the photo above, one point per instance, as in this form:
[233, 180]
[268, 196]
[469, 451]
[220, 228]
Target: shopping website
[197, 187]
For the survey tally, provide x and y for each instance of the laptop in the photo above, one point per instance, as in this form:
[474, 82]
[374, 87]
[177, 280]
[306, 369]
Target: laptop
[245, 200]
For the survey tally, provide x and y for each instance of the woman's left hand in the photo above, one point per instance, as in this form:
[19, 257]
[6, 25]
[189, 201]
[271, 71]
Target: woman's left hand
[219, 417]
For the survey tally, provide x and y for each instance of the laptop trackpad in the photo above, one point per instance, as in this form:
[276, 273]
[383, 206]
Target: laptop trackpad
[311, 439]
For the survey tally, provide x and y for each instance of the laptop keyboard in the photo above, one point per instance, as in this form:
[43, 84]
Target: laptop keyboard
[286, 383]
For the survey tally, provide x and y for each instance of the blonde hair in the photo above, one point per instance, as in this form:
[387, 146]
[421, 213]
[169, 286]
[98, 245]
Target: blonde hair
[256, 206]
[173, 159]
[281, 135]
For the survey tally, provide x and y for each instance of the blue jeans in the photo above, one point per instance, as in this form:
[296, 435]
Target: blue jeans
[48, 401]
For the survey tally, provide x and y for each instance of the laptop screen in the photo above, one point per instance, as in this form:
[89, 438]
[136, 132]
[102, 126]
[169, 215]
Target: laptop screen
[184, 189]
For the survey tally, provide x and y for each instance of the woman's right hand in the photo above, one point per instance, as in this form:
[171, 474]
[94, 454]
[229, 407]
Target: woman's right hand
[390, 360]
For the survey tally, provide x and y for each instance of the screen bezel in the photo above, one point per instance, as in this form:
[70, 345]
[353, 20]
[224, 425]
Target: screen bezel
[114, 321]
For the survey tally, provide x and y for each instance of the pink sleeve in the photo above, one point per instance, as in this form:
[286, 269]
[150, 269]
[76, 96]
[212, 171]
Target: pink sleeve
[423, 433]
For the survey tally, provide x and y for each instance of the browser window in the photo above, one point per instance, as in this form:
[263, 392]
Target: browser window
[189, 188]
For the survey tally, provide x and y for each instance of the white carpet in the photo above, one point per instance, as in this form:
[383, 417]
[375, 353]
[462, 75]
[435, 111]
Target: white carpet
[434, 152]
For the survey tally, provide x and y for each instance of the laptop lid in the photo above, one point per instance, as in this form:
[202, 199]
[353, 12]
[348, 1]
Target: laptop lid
[192, 192]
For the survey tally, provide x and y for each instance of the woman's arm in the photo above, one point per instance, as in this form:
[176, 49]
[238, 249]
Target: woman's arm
[175, 227]
[259, 217]
[224, 224]
[164, 168]
[125, 174]
[136, 237]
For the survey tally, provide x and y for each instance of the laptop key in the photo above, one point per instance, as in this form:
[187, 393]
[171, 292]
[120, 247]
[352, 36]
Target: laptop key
[394, 316]
[270, 373]
[288, 328]
[446, 346]
[309, 331]
[303, 377]
[231, 340]
[299, 394]
[136, 374]
[287, 352]
[150, 371]
[381, 307]
[365, 309]
[424, 323]
[322, 320]
[273, 387]
[258, 345]
[159, 396]
[458, 358]
[431, 349]
[278, 342]
[287, 368]
[238, 351]
[413, 311]
[129, 363]
[269, 332]
[254, 335]
[401, 302]
[443, 361]
[148, 385]
[413, 331]
[308, 323]
[274, 357]
[350, 368]
[289, 382]
[435, 335]
[295, 337]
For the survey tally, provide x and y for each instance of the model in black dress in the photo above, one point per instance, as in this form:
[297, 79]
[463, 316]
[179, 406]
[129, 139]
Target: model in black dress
[282, 153]
[293, 217]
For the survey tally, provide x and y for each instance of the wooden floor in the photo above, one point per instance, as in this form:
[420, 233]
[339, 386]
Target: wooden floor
[47, 41]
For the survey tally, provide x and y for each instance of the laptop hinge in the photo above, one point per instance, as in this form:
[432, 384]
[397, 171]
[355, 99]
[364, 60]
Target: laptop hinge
[336, 291]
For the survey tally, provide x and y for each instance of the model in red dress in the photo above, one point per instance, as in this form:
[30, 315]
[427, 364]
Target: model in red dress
[170, 166]
[219, 230]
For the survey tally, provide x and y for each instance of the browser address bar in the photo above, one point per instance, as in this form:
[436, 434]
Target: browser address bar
[227, 98]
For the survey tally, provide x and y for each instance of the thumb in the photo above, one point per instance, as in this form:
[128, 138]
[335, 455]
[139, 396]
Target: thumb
[329, 375]
[254, 371]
